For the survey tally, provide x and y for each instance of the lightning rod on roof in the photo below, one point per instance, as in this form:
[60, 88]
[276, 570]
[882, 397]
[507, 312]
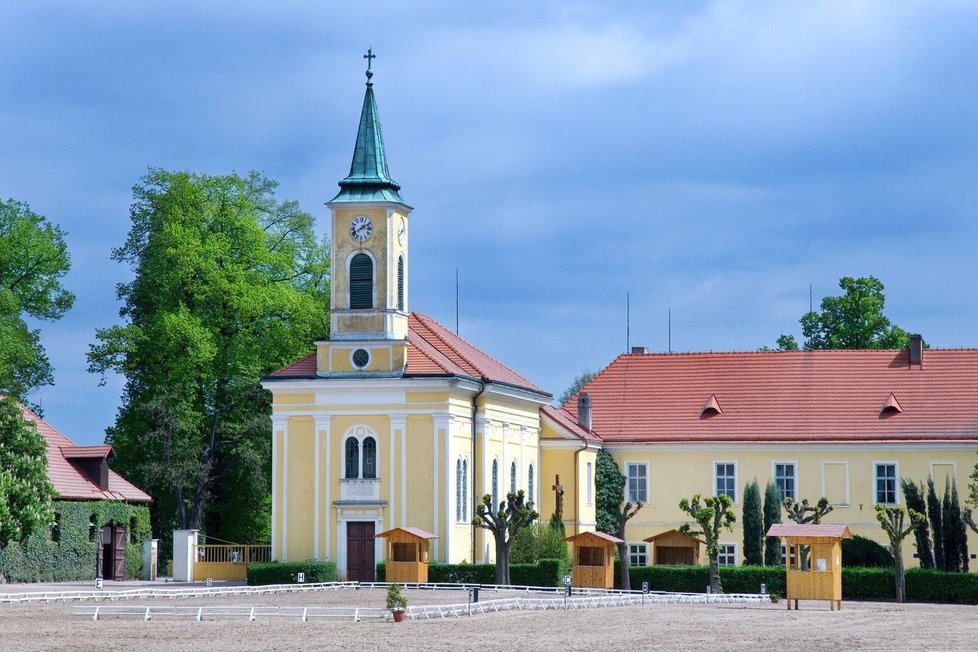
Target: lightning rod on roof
[628, 323]
[670, 331]
[456, 301]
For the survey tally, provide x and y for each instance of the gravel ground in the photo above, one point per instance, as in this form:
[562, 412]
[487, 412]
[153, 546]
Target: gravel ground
[860, 625]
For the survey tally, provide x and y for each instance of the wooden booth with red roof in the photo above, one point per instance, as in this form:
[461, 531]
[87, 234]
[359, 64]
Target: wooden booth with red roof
[406, 557]
[594, 559]
[813, 561]
[671, 548]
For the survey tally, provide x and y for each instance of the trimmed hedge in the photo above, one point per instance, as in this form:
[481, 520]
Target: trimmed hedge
[73, 557]
[546, 572]
[857, 583]
[286, 572]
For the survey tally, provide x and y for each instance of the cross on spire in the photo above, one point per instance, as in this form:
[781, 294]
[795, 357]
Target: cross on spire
[369, 56]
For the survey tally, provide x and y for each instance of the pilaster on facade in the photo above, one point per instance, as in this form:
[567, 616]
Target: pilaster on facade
[280, 484]
[398, 428]
[321, 484]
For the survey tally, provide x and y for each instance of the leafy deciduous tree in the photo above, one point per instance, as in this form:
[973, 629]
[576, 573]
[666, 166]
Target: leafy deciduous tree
[504, 522]
[804, 513]
[25, 492]
[753, 525]
[229, 284]
[33, 261]
[892, 519]
[576, 386]
[712, 514]
[772, 515]
[854, 320]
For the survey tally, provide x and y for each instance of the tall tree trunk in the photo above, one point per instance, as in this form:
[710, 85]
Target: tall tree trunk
[715, 576]
[623, 573]
[502, 558]
[204, 483]
[898, 567]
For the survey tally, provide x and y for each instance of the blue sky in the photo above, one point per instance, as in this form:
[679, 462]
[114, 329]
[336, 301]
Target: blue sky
[714, 158]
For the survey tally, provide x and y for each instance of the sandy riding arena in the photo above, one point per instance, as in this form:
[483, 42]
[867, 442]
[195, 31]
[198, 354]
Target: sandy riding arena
[60, 626]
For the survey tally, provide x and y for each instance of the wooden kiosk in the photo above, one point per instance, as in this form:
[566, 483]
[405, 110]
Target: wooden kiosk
[406, 554]
[671, 548]
[813, 561]
[594, 559]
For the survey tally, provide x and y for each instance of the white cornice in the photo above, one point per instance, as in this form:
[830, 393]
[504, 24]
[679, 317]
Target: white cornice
[783, 447]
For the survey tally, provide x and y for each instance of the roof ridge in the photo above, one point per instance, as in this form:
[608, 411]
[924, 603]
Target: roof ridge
[472, 364]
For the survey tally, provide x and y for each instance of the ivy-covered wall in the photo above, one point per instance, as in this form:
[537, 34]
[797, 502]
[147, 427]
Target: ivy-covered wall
[73, 555]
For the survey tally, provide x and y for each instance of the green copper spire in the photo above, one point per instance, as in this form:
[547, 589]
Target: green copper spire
[369, 179]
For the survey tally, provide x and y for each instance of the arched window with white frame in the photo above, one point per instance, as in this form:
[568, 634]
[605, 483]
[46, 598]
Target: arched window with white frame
[370, 458]
[465, 489]
[495, 486]
[361, 282]
[529, 484]
[459, 496]
[512, 477]
[352, 457]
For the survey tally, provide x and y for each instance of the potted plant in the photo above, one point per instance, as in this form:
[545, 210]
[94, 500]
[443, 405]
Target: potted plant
[396, 602]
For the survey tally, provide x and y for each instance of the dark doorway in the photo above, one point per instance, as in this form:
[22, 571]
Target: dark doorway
[111, 554]
[360, 544]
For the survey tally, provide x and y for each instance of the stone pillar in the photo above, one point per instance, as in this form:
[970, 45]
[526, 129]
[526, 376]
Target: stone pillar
[184, 551]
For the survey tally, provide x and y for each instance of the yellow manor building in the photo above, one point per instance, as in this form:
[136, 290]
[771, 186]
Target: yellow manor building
[395, 421]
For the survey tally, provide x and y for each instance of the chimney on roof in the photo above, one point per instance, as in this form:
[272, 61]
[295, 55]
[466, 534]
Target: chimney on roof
[639, 350]
[916, 350]
[584, 410]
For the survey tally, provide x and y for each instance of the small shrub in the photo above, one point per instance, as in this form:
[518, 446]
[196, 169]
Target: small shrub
[286, 573]
[395, 600]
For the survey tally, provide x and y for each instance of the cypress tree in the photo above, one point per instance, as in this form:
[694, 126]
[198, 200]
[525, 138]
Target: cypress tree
[960, 531]
[753, 526]
[936, 523]
[952, 557]
[914, 494]
[772, 515]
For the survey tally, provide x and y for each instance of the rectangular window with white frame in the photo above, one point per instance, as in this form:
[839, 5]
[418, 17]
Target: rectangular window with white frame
[590, 484]
[728, 554]
[637, 487]
[786, 479]
[725, 476]
[885, 476]
[638, 554]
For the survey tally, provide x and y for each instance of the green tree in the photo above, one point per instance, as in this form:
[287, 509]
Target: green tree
[753, 525]
[613, 512]
[712, 514]
[914, 495]
[228, 285]
[772, 515]
[33, 261]
[25, 492]
[936, 523]
[949, 533]
[609, 492]
[892, 521]
[854, 320]
[505, 523]
[803, 512]
[576, 386]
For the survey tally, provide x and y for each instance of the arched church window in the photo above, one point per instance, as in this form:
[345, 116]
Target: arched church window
[512, 477]
[459, 491]
[352, 458]
[400, 283]
[361, 282]
[465, 490]
[370, 458]
[529, 489]
[495, 485]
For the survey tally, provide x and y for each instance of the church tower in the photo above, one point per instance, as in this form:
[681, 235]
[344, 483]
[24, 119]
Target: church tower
[369, 316]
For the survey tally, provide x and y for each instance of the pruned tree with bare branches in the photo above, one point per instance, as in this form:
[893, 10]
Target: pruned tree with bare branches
[713, 515]
[804, 512]
[504, 521]
[892, 519]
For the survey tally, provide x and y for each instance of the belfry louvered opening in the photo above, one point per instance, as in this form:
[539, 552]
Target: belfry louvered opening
[400, 283]
[361, 282]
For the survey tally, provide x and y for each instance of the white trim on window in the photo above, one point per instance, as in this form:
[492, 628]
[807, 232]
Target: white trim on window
[361, 433]
[736, 479]
[954, 470]
[646, 465]
[896, 481]
[794, 477]
[589, 482]
[845, 464]
[638, 554]
[728, 554]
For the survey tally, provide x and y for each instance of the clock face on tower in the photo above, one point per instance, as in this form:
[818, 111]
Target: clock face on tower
[361, 228]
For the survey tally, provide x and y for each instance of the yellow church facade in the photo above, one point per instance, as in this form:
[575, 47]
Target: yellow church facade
[395, 421]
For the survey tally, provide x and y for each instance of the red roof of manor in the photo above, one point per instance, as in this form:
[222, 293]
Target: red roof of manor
[433, 350]
[568, 421]
[787, 396]
[71, 482]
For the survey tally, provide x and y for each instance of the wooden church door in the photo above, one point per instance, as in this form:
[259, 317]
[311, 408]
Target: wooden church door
[360, 544]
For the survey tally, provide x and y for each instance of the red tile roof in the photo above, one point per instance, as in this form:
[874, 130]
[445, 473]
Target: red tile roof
[433, 350]
[568, 421]
[787, 396]
[799, 530]
[69, 481]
